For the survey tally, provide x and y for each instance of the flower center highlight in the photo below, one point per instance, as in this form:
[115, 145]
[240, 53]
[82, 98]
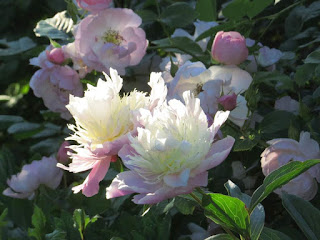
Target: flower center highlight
[112, 36]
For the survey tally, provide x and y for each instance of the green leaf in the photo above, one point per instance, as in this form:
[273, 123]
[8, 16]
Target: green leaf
[280, 177]
[56, 235]
[276, 121]
[58, 27]
[15, 47]
[207, 10]
[22, 130]
[227, 211]
[270, 234]
[274, 79]
[82, 220]
[147, 16]
[178, 15]
[313, 57]
[39, 223]
[179, 44]
[2, 217]
[72, 10]
[304, 213]
[304, 74]
[220, 237]
[7, 120]
[240, 8]
[256, 217]
[184, 206]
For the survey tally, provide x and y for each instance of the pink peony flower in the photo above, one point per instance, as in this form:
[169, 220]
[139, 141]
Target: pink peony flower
[172, 152]
[104, 121]
[25, 183]
[53, 83]
[229, 48]
[111, 38]
[56, 55]
[94, 5]
[282, 151]
[62, 155]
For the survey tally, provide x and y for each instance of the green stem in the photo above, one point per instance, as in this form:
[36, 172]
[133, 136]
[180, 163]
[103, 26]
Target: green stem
[196, 198]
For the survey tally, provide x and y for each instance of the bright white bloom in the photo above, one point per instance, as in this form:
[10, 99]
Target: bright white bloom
[103, 122]
[172, 153]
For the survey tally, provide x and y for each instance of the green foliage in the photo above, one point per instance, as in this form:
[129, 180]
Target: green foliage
[238, 9]
[178, 15]
[278, 178]
[306, 216]
[228, 212]
[15, 47]
[270, 234]
[39, 224]
[82, 220]
[57, 27]
[207, 10]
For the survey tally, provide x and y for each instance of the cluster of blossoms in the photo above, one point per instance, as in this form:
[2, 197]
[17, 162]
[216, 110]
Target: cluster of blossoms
[167, 140]
[107, 37]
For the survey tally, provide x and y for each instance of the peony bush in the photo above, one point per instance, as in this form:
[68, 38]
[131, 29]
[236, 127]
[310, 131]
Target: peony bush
[160, 120]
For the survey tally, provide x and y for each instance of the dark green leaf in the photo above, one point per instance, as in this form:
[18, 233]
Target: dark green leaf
[179, 44]
[184, 206]
[2, 217]
[72, 10]
[276, 121]
[56, 235]
[7, 120]
[306, 216]
[270, 234]
[313, 57]
[304, 74]
[240, 8]
[39, 223]
[147, 16]
[22, 130]
[178, 15]
[227, 211]
[58, 27]
[220, 237]
[280, 177]
[207, 10]
[16, 47]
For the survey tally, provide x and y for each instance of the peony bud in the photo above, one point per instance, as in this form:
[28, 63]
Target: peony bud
[56, 55]
[229, 102]
[62, 155]
[229, 48]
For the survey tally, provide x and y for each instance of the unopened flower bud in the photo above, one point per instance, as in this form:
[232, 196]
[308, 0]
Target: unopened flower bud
[56, 55]
[229, 48]
[229, 102]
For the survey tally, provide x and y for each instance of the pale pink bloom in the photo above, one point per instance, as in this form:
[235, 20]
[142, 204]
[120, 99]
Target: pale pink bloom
[62, 155]
[111, 38]
[25, 183]
[56, 55]
[288, 104]
[229, 48]
[78, 64]
[282, 151]
[209, 85]
[53, 83]
[172, 152]
[103, 122]
[94, 5]
[229, 102]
